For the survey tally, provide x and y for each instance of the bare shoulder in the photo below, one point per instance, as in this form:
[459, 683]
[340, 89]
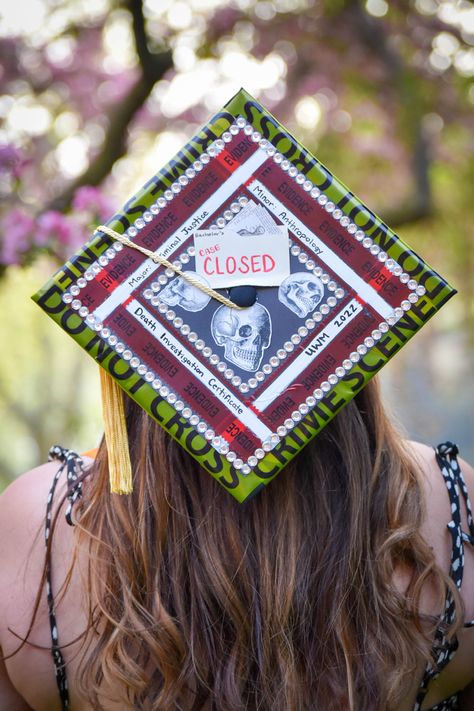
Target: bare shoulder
[22, 517]
[438, 514]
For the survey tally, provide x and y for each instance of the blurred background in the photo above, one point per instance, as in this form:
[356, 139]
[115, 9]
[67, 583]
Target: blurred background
[96, 95]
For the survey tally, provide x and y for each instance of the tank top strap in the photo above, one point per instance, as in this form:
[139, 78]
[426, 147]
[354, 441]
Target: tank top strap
[73, 465]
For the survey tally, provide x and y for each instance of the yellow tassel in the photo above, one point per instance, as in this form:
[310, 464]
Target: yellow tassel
[120, 468]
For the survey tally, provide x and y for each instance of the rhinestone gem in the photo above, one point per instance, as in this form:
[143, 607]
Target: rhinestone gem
[244, 388]
[135, 362]
[194, 420]
[315, 192]
[404, 278]
[311, 401]
[120, 347]
[361, 349]
[67, 298]
[333, 379]
[318, 393]
[156, 384]
[325, 386]
[369, 341]
[76, 305]
[420, 290]
[83, 311]
[345, 221]
[300, 178]
[132, 231]
[267, 368]
[340, 372]
[352, 229]
[281, 353]
[322, 199]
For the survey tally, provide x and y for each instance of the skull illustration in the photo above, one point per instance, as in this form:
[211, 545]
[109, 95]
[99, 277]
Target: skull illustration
[244, 334]
[180, 292]
[301, 293]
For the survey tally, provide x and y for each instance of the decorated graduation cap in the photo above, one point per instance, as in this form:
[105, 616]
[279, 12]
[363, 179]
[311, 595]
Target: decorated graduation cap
[242, 298]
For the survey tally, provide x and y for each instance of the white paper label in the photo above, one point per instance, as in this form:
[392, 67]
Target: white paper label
[252, 249]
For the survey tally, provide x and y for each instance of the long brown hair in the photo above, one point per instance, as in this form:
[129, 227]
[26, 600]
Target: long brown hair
[287, 602]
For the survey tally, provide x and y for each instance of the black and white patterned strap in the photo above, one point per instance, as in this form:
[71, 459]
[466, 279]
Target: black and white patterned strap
[73, 464]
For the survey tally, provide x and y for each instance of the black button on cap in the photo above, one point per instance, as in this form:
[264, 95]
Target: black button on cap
[243, 295]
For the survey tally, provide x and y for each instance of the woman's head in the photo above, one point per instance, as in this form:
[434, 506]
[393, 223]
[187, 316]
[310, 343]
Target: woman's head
[284, 602]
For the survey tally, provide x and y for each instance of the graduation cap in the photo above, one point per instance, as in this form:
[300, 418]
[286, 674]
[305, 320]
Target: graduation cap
[242, 298]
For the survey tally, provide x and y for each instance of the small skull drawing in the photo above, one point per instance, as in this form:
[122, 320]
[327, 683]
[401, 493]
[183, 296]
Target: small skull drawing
[301, 293]
[244, 334]
[180, 292]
